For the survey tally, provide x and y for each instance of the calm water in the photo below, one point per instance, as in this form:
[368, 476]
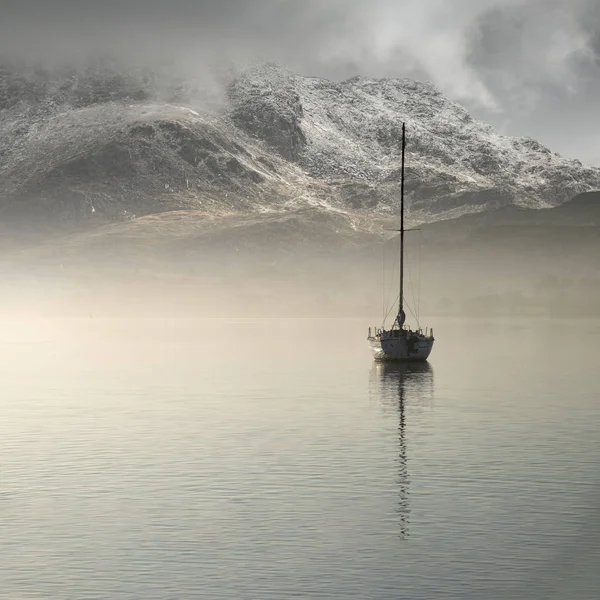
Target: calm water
[272, 459]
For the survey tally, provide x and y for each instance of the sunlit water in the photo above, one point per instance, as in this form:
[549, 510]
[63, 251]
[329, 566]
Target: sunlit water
[272, 459]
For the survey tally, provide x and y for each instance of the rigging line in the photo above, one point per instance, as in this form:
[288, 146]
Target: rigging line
[409, 310]
[383, 280]
[419, 275]
[415, 317]
[390, 309]
[417, 287]
[390, 292]
[412, 289]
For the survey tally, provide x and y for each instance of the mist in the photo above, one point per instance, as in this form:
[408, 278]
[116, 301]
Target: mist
[500, 272]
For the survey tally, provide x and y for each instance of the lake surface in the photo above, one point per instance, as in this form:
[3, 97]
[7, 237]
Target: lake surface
[266, 459]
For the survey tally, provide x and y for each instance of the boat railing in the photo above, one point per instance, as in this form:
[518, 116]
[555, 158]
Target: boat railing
[374, 332]
[377, 331]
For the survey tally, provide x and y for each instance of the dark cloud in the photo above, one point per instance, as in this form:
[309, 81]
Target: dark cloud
[540, 61]
[529, 66]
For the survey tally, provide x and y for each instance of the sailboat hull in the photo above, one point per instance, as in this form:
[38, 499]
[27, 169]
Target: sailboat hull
[399, 350]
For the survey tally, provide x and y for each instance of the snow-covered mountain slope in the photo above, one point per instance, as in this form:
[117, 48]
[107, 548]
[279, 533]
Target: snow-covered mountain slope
[118, 160]
[348, 133]
[86, 148]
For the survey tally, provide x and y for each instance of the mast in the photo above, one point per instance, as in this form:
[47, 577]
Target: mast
[401, 315]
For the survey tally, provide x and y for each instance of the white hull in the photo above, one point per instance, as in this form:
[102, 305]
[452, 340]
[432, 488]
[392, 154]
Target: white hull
[390, 348]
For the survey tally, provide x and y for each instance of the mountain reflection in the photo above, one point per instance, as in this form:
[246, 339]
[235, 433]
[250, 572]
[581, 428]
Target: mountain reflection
[402, 386]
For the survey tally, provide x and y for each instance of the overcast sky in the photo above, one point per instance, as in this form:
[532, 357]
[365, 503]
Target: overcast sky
[530, 67]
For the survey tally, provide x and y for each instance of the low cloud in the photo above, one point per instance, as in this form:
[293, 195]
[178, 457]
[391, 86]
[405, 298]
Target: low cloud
[519, 63]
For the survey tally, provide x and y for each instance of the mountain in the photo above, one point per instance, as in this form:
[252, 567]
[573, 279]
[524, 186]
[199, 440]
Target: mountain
[83, 148]
[581, 211]
[275, 194]
[87, 150]
[348, 134]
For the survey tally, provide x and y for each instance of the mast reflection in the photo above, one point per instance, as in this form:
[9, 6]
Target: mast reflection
[398, 386]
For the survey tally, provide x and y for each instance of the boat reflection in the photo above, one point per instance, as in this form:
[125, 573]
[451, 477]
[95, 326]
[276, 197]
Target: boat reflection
[405, 387]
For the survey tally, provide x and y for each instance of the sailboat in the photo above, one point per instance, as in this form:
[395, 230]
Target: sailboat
[401, 343]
